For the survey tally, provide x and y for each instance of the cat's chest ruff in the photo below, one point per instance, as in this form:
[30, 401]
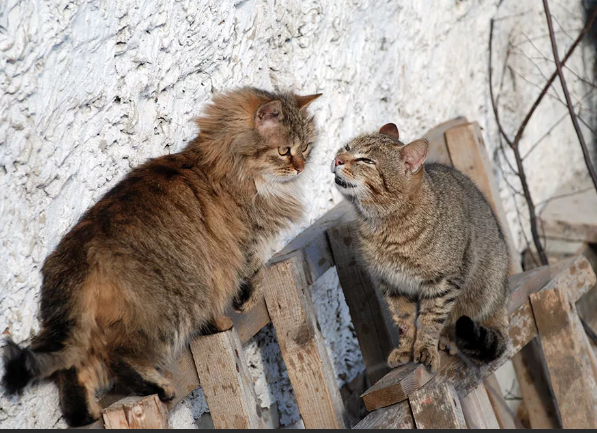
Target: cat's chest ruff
[398, 281]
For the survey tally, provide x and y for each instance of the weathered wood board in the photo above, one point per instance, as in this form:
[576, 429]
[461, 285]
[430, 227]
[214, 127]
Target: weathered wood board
[478, 410]
[225, 380]
[574, 216]
[397, 416]
[136, 413]
[565, 350]
[437, 407]
[366, 310]
[301, 343]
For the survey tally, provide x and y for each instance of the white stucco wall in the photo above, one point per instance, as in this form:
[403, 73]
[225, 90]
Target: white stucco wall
[93, 88]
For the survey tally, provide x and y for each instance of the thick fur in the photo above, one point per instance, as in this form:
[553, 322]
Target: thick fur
[163, 254]
[434, 246]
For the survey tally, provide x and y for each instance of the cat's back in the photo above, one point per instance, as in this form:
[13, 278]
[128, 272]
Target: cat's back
[464, 209]
[456, 190]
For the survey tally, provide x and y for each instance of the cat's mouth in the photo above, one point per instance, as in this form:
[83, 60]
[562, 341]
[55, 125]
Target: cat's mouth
[343, 183]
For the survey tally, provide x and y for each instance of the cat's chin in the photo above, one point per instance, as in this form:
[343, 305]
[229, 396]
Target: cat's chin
[343, 185]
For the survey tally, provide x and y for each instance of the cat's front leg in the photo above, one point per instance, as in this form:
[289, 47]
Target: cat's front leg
[404, 315]
[435, 306]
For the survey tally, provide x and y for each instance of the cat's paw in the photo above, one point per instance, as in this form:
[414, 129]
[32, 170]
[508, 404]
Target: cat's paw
[447, 341]
[399, 357]
[167, 392]
[427, 355]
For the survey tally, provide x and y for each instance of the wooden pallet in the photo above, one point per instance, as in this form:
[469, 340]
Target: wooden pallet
[542, 305]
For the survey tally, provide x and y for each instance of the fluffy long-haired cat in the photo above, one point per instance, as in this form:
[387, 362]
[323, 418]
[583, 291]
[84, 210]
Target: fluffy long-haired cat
[166, 251]
[432, 243]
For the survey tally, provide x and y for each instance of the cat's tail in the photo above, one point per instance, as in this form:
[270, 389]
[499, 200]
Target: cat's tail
[480, 342]
[24, 365]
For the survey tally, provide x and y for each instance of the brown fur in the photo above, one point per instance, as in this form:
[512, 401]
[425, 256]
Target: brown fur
[165, 251]
[433, 244]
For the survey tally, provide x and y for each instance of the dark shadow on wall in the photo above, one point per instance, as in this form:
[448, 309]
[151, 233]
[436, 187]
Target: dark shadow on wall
[589, 7]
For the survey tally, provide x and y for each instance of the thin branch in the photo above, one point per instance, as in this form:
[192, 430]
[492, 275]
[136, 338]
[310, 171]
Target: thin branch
[493, 100]
[556, 58]
[579, 106]
[584, 122]
[519, 165]
[581, 35]
[568, 194]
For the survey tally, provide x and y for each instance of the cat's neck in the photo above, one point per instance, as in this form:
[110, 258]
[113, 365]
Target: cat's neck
[403, 209]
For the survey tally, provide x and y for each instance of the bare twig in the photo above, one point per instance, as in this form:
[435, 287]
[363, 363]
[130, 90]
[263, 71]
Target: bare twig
[556, 57]
[559, 196]
[519, 165]
[515, 142]
[579, 38]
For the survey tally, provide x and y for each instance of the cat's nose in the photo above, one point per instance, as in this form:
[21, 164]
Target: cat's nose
[336, 163]
[298, 169]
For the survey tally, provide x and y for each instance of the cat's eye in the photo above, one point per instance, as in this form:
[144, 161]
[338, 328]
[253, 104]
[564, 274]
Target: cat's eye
[283, 151]
[306, 147]
[365, 160]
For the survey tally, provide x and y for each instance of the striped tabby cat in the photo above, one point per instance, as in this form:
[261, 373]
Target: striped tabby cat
[433, 245]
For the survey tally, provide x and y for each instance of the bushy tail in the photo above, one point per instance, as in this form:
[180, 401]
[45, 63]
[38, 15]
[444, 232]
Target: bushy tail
[23, 365]
[480, 342]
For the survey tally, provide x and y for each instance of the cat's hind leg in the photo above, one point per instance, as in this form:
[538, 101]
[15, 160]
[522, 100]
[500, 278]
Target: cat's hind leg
[143, 379]
[447, 339]
[249, 293]
[78, 397]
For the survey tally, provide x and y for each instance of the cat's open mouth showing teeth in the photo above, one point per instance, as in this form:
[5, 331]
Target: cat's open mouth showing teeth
[343, 183]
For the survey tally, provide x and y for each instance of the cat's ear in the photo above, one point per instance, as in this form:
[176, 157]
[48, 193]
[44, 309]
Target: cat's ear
[391, 130]
[268, 116]
[303, 101]
[414, 154]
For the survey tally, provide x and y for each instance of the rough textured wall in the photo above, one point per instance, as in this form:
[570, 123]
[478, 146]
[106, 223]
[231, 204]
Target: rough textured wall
[93, 88]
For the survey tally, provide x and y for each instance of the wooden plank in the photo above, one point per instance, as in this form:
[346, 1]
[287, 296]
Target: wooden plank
[251, 322]
[478, 410]
[504, 415]
[438, 151]
[303, 349]
[312, 244]
[136, 413]
[535, 387]
[225, 380]
[437, 407]
[575, 273]
[573, 217]
[366, 310]
[114, 417]
[184, 377]
[576, 280]
[464, 376]
[397, 416]
[565, 352]
[587, 304]
[396, 386]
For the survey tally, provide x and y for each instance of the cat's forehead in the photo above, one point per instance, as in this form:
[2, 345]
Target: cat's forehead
[374, 143]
